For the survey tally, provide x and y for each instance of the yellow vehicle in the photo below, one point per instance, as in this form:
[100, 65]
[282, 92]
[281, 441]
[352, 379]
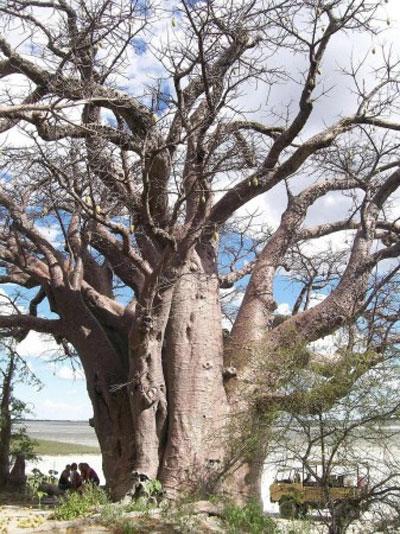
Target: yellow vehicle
[298, 489]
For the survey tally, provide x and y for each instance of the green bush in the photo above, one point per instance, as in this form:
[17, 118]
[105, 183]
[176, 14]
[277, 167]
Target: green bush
[249, 518]
[79, 504]
[111, 514]
[142, 504]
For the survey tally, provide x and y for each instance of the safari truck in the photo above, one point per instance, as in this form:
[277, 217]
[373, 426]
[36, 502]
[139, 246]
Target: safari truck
[297, 489]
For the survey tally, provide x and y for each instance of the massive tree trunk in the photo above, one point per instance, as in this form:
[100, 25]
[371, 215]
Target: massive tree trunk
[160, 404]
[177, 395]
[111, 416]
[147, 388]
[193, 363]
[166, 417]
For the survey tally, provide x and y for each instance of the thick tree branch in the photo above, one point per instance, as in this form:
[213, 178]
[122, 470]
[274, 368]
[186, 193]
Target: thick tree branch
[38, 324]
[228, 280]
[322, 230]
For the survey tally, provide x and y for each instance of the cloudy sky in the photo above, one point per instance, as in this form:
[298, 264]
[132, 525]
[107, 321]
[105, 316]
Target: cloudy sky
[63, 395]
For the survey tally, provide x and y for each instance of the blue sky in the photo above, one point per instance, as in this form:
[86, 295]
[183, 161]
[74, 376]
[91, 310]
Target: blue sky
[61, 397]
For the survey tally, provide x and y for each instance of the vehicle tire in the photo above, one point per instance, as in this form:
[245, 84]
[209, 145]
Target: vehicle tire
[288, 508]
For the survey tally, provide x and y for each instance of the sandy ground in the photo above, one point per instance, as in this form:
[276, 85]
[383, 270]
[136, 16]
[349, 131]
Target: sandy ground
[15, 519]
[23, 520]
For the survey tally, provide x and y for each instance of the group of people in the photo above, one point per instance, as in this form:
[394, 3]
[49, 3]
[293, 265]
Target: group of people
[72, 479]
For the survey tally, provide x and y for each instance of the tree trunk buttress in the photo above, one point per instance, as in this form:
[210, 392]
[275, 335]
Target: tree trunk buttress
[105, 364]
[147, 389]
[193, 364]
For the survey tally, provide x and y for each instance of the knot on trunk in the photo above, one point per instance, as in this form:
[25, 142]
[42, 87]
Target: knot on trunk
[193, 267]
[146, 323]
[151, 395]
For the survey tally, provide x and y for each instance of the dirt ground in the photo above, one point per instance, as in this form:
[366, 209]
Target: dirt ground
[23, 519]
[15, 519]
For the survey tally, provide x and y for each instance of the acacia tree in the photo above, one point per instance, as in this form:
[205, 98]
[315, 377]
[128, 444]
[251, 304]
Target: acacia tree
[144, 183]
[355, 436]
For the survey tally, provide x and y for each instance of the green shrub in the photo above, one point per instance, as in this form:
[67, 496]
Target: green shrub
[249, 518]
[142, 504]
[111, 514]
[79, 504]
[152, 488]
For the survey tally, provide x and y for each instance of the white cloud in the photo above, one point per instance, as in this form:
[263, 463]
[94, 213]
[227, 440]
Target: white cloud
[37, 345]
[316, 298]
[329, 345]
[283, 309]
[231, 300]
[6, 307]
[339, 241]
[66, 372]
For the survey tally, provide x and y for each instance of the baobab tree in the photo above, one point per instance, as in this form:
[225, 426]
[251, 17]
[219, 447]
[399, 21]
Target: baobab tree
[146, 182]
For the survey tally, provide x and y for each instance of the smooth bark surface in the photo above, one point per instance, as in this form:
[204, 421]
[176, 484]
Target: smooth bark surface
[193, 363]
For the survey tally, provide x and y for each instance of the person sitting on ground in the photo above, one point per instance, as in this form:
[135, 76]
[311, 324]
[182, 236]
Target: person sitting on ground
[82, 469]
[89, 475]
[75, 477]
[64, 482]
